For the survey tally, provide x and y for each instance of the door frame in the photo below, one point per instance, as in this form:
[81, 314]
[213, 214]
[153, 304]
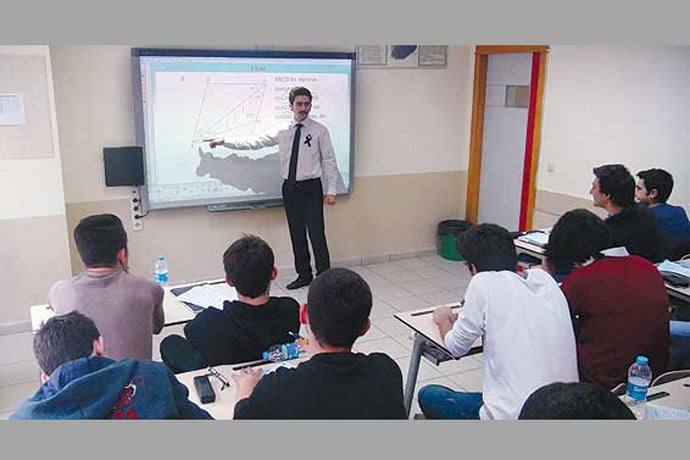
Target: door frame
[533, 138]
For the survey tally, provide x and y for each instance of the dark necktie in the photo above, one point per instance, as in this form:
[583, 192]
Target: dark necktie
[292, 172]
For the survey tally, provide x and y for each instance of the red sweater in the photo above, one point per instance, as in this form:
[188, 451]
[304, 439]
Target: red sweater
[620, 308]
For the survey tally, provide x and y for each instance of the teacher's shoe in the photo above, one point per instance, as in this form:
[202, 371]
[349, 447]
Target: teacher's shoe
[298, 283]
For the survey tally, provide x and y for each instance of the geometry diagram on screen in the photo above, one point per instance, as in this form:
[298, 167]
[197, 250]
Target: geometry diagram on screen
[228, 110]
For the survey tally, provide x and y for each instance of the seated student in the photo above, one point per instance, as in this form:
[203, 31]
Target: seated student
[524, 323]
[79, 382]
[334, 383]
[574, 401]
[653, 188]
[244, 328]
[127, 309]
[618, 301]
[632, 226]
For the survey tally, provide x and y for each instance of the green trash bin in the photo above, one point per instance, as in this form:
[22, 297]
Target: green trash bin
[448, 232]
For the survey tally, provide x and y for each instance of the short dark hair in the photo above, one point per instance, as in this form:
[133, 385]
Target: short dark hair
[615, 180]
[489, 247]
[574, 401]
[99, 238]
[298, 91]
[658, 179]
[64, 338]
[577, 236]
[248, 263]
[339, 302]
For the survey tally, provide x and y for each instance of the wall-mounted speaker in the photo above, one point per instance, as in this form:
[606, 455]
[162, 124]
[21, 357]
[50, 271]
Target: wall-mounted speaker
[123, 166]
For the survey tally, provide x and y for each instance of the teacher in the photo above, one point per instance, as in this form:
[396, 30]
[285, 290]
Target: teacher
[306, 152]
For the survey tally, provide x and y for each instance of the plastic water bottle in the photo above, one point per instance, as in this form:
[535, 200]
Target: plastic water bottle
[639, 378]
[281, 352]
[161, 271]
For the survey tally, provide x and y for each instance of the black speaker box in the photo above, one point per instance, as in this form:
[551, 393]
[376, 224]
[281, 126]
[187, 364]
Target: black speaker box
[123, 166]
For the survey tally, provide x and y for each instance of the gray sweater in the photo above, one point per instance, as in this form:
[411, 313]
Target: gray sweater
[127, 309]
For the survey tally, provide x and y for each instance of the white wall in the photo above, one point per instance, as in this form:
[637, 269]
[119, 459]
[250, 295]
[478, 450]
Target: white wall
[611, 104]
[33, 187]
[33, 225]
[415, 121]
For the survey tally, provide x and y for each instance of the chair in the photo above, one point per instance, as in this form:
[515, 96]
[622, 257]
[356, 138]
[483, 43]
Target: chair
[670, 376]
[619, 390]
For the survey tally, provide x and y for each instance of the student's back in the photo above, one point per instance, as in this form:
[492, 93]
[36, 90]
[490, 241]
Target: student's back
[636, 228]
[243, 329]
[622, 306]
[527, 337]
[80, 382]
[241, 332]
[127, 309]
[334, 383]
[329, 386]
[673, 224]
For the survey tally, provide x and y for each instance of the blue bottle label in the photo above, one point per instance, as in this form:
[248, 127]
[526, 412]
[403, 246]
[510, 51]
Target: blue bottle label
[162, 277]
[636, 391]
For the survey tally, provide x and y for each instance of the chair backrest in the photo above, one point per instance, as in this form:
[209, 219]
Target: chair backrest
[619, 390]
[670, 376]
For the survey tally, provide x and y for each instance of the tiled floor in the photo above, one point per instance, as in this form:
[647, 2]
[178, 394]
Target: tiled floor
[400, 285]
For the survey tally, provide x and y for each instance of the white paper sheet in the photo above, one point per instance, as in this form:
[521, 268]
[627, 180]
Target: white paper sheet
[12, 109]
[209, 295]
[668, 266]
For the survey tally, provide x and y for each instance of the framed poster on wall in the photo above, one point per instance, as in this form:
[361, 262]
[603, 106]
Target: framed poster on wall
[402, 56]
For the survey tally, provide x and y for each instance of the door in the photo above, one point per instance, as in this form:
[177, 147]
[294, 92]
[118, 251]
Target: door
[505, 131]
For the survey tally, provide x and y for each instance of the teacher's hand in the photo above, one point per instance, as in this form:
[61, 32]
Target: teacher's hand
[214, 141]
[330, 199]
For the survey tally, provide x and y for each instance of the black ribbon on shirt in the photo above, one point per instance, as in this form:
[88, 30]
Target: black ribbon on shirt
[307, 140]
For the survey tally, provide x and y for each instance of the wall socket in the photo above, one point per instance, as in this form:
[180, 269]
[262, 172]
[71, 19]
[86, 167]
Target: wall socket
[135, 207]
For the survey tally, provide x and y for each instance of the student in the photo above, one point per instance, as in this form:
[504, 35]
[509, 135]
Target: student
[127, 309]
[632, 226]
[653, 188]
[79, 382]
[618, 301]
[244, 328]
[334, 383]
[574, 401]
[523, 321]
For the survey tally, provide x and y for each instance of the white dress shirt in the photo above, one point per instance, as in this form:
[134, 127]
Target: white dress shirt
[527, 336]
[315, 157]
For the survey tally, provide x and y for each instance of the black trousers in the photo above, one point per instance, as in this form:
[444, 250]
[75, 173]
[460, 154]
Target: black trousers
[304, 210]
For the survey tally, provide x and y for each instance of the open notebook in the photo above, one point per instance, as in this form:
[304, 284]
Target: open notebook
[204, 295]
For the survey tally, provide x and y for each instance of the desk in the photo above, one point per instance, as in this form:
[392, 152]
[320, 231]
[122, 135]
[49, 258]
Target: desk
[428, 343]
[679, 397]
[176, 312]
[672, 407]
[223, 407]
[523, 247]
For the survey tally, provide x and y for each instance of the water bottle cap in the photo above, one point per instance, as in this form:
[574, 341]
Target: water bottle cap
[161, 258]
[642, 360]
[264, 355]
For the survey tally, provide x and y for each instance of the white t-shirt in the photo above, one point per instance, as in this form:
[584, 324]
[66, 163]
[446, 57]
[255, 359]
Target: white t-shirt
[527, 335]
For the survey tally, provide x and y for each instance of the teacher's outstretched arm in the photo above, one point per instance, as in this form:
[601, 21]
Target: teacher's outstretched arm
[268, 139]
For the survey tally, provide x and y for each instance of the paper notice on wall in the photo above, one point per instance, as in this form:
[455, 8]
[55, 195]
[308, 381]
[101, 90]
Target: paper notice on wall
[12, 109]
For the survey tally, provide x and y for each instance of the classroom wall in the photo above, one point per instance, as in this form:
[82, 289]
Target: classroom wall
[612, 104]
[411, 155]
[33, 228]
